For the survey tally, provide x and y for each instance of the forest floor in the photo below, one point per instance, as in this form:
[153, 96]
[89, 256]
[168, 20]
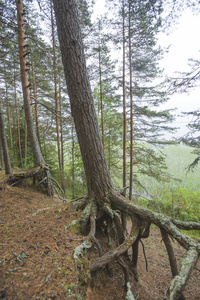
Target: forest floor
[36, 255]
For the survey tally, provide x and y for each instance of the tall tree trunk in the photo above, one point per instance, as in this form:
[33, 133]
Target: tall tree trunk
[131, 108]
[97, 173]
[61, 129]
[35, 96]
[18, 125]
[124, 101]
[15, 135]
[109, 147]
[101, 95]
[38, 159]
[1, 155]
[25, 142]
[8, 108]
[37, 154]
[73, 160]
[55, 87]
[6, 156]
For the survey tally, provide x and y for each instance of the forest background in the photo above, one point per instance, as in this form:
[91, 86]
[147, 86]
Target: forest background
[129, 90]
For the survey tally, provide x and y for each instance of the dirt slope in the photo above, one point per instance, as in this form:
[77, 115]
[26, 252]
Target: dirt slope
[36, 255]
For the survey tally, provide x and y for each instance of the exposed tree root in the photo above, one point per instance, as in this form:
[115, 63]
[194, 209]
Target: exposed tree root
[113, 254]
[109, 216]
[177, 285]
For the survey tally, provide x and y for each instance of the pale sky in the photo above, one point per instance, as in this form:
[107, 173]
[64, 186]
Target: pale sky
[185, 44]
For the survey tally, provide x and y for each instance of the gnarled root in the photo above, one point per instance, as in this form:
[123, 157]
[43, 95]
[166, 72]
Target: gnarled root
[170, 227]
[109, 215]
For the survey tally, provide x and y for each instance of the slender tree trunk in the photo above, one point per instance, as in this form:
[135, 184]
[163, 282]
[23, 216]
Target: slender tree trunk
[73, 160]
[25, 142]
[15, 136]
[61, 129]
[1, 155]
[8, 109]
[123, 216]
[6, 157]
[101, 95]
[35, 97]
[109, 148]
[55, 86]
[97, 173]
[131, 109]
[37, 154]
[124, 102]
[38, 159]
[18, 125]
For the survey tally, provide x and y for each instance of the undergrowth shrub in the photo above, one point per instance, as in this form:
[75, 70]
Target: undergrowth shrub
[179, 203]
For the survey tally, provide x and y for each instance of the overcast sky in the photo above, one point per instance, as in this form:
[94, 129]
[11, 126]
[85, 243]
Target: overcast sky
[184, 44]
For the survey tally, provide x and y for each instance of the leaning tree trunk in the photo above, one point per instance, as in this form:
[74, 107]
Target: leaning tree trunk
[103, 199]
[6, 156]
[23, 52]
[81, 99]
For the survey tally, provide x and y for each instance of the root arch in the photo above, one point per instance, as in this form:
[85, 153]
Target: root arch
[141, 219]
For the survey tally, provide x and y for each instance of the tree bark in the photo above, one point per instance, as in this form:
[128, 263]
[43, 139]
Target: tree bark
[18, 125]
[6, 156]
[38, 158]
[131, 109]
[73, 160]
[61, 129]
[37, 154]
[35, 97]
[101, 92]
[82, 106]
[8, 109]
[124, 100]
[55, 87]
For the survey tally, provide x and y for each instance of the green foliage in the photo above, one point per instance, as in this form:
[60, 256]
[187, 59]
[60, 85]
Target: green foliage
[179, 199]
[181, 203]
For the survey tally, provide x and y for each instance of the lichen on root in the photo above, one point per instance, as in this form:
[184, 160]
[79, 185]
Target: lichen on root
[108, 214]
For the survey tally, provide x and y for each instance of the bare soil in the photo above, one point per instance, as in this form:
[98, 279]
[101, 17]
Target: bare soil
[36, 255]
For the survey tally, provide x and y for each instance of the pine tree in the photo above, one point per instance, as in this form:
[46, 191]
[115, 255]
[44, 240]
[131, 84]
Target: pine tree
[23, 52]
[6, 156]
[103, 202]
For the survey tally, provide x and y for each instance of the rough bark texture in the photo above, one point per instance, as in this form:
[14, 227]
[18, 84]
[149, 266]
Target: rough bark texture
[18, 124]
[124, 103]
[6, 157]
[37, 154]
[35, 96]
[97, 174]
[131, 108]
[8, 108]
[38, 158]
[55, 87]
[177, 285]
[101, 95]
